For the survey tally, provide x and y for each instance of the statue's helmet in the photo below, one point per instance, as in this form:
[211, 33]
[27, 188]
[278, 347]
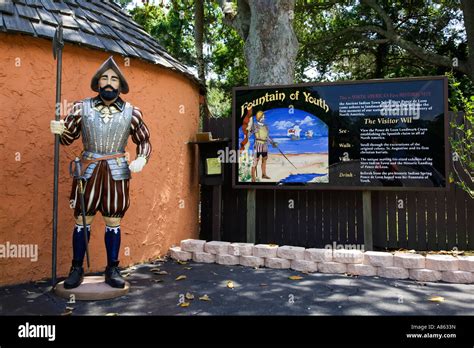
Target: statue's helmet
[259, 115]
[109, 64]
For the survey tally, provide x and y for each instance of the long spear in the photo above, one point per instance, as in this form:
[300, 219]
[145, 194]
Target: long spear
[275, 145]
[58, 45]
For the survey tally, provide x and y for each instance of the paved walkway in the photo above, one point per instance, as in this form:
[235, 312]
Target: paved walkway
[255, 292]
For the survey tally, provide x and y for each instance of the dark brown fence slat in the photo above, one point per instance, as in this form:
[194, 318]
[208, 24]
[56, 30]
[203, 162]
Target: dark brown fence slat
[451, 215]
[334, 218]
[280, 217]
[302, 213]
[379, 239]
[343, 216]
[392, 220]
[270, 216]
[470, 224]
[431, 220]
[441, 220]
[351, 216]
[411, 207]
[312, 229]
[421, 220]
[382, 212]
[318, 218]
[206, 223]
[261, 212]
[327, 218]
[401, 205]
[242, 214]
[360, 219]
[461, 218]
[229, 223]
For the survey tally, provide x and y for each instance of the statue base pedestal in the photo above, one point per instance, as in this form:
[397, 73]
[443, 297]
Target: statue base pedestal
[93, 288]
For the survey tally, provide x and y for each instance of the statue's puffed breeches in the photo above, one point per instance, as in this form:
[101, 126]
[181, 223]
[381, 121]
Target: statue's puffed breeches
[102, 193]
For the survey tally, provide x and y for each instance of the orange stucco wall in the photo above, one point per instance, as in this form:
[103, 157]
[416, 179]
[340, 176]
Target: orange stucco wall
[164, 196]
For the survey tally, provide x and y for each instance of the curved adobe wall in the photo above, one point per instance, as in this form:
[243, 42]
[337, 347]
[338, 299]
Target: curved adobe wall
[164, 197]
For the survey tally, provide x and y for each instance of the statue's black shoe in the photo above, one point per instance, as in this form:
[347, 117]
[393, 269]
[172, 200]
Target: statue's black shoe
[113, 277]
[76, 276]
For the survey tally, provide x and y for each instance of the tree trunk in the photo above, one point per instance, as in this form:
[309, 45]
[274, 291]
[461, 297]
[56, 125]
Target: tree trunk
[380, 60]
[270, 53]
[199, 42]
[271, 45]
[199, 37]
[468, 12]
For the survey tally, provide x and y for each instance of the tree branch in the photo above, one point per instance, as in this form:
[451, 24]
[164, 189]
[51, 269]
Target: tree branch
[240, 20]
[381, 12]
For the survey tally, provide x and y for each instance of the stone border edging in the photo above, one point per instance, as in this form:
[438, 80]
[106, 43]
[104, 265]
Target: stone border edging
[398, 265]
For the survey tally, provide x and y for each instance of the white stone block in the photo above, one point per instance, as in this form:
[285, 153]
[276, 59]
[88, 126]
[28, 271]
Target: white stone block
[193, 245]
[240, 249]
[177, 254]
[393, 272]
[251, 261]
[361, 270]
[304, 266]
[318, 255]
[378, 259]
[407, 260]
[466, 263]
[265, 250]
[441, 263]
[204, 257]
[348, 256]
[332, 267]
[291, 252]
[275, 262]
[424, 275]
[217, 248]
[460, 277]
[224, 259]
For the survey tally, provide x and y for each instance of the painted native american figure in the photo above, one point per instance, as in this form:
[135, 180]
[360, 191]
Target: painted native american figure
[105, 123]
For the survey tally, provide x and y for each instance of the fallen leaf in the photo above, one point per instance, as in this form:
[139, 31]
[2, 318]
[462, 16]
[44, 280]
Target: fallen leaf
[230, 284]
[156, 280]
[189, 296]
[162, 273]
[181, 277]
[182, 262]
[204, 298]
[125, 275]
[295, 277]
[436, 299]
[69, 308]
[111, 314]
[188, 268]
[154, 269]
[184, 304]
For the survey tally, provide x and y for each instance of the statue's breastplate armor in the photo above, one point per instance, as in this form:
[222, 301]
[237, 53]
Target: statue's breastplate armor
[106, 138]
[261, 134]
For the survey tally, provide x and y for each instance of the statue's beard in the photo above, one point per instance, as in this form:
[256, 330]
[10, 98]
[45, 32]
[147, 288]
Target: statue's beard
[108, 95]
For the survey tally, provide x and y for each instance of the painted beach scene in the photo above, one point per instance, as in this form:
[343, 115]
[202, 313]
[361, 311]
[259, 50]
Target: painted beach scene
[295, 150]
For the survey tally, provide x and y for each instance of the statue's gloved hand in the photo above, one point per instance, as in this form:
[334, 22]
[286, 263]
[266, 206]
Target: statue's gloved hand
[137, 165]
[57, 127]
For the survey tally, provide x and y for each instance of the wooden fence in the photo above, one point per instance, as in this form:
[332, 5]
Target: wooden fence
[316, 218]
